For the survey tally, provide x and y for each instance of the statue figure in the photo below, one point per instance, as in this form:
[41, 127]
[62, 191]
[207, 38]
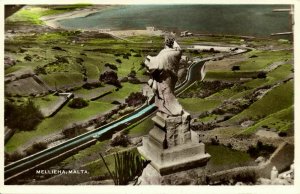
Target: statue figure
[171, 145]
[163, 69]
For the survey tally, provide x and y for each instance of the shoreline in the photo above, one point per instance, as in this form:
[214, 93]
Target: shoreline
[52, 20]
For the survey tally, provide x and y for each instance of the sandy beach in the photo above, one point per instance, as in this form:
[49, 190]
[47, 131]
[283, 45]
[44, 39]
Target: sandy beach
[52, 20]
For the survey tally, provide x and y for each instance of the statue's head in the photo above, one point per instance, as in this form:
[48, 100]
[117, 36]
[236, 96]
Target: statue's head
[169, 41]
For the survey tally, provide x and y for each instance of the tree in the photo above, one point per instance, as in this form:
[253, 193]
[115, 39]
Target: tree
[22, 117]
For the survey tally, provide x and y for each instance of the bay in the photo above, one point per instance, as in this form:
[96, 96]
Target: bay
[254, 20]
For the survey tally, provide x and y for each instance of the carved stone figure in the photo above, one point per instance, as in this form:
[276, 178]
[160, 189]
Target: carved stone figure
[171, 146]
[164, 69]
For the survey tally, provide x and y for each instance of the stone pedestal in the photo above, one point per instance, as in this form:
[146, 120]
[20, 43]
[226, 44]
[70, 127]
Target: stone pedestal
[172, 147]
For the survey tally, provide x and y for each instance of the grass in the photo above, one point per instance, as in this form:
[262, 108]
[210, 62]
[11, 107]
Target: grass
[192, 40]
[97, 167]
[92, 71]
[141, 128]
[146, 39]
[277, 99]
[124, 68]
[52, 37]
[222, 157]
[263, 59]
[65, 117]
[227, 93]
[281, 121]
[107, 41]
[92, 93]
[62, 79]
[28, 15]
[229, 75]
[278, 74]
[198, 105]
[33, 14]
[45, 101]
[81, 155]
[122, 93]
[209, 118]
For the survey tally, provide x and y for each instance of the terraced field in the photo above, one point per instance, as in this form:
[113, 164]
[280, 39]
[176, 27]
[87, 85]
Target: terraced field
[80, 58]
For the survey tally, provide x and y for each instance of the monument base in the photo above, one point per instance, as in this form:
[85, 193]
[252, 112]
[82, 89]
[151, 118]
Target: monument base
[173, 149]
[194, 176]
[178, 158]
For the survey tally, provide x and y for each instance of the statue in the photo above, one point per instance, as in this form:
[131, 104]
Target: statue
[163, 69]
[171, 145]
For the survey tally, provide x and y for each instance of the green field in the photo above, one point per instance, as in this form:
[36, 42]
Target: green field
[122, 93]
[32, 14]
[198, 105]
[281, 121]
[141, 128]
[46, 101]
[263, 59]
[81, 155]
[277, 99]
[65, 117]
[223, 158]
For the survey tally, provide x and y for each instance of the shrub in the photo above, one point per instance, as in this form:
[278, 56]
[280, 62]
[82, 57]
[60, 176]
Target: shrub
[135, 99]
[132, 74]
[111, 66]
[78, 103]
[260, 150]
[118, 60]
[79, 60]
[282, 134]
[22, 117]
[36, 147]
[61, 59]
[261, 75]
[116, 102]
[13, 156]
[40, 70]
[235, 68]
[253, 56]
[124, 79]
[137, 55]
[92, 85]
[110, 77]
[28, 58]
[120, 140]
[229, 145]
[58, 48]
[214, 141]
[134, 81]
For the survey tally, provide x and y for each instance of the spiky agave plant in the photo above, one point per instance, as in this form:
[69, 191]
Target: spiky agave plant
[128, 167]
